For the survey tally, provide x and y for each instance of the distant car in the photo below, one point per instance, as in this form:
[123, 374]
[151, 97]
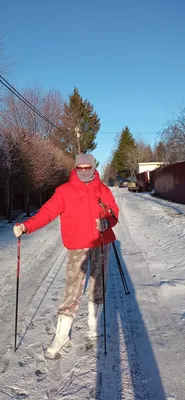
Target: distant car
[123, 183]
[111, 182]
[133, 185]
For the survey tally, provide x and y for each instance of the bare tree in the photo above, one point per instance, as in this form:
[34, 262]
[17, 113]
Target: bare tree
[173, 137]
[28, 160]
[144, 152]
[16, 114]
[109, 173]
[140, 152]
[29, 163]
[160, 151]
[44, 166]
[11, 167]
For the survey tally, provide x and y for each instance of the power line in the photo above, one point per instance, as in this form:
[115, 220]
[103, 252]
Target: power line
[5, 83]
[136, 133]
[12, 89]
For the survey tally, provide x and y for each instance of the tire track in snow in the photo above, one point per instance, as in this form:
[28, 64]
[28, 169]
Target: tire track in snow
[165, 336]
[36, 274]
[127, 372]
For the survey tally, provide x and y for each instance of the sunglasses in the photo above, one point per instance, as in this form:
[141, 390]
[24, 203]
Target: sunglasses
[83, 168]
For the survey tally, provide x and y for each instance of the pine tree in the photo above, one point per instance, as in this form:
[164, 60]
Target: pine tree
[77, 113]
[121, 157]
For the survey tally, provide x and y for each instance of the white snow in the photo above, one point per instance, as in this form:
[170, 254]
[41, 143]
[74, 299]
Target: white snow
[145, 330]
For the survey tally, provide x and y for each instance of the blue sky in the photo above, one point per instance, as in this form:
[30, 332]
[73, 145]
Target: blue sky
[125, 57]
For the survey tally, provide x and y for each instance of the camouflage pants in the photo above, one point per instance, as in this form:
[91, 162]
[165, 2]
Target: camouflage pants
[76, 274]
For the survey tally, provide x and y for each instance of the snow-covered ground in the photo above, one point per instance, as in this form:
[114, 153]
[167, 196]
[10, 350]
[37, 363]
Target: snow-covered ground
[145, 330]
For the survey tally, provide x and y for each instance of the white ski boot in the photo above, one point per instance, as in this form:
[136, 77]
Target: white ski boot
[61, 336]
[94, 319]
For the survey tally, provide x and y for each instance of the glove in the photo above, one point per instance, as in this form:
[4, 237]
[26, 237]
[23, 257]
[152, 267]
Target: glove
[102, 224]
[19, 230]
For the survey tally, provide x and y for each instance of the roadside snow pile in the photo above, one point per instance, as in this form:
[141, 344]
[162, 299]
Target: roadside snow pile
[158, 228]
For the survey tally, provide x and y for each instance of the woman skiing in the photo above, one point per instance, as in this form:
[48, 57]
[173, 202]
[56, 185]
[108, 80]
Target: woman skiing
[83, 225]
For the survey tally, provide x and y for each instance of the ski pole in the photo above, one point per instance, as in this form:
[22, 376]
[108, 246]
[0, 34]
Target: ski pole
[103, 286]
[17, 290]
[104, 206]
[120, 270]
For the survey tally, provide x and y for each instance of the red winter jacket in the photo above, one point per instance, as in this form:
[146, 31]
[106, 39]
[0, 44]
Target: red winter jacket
[77, 204]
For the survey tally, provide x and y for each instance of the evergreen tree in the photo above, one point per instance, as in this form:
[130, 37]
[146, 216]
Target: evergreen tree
[77, 113]
[121, 156]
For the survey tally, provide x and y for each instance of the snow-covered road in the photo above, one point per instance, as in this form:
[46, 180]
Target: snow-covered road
[145, 330]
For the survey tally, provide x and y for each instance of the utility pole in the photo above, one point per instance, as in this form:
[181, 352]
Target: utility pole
[77, 133]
